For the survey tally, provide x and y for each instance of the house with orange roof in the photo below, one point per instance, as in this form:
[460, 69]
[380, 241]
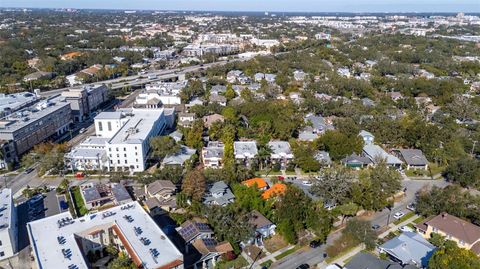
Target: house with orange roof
[70, 55]
[275, 190]
[259, 182]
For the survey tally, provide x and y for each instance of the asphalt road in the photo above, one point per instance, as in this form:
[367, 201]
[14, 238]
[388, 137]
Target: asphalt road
[137, 80]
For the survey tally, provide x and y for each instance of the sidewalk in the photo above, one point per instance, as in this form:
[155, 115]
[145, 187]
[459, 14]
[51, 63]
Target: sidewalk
[342, 259]
[272, 256]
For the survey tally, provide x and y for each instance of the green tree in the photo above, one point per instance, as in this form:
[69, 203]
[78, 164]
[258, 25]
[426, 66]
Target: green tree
[453, 257]
[339, 145]
[194, 185]
[122, 262]
[162, 146]
[193, 135]
[362, 232]
[465, 171]
[334, 184]
[229, 93]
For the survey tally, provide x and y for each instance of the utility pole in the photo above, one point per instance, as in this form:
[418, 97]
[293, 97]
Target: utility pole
[473, 147]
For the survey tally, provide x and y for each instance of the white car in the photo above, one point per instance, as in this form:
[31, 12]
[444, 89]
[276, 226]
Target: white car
[405, 229]
[411, 207]
[307, 183]
[399, 215]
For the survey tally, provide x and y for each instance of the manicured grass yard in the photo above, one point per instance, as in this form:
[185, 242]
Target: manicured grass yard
[404, 218]
[79, 204]
[286, 253]
[418, 220]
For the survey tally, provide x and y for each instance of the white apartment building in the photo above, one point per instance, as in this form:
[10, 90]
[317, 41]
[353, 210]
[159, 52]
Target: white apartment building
[61, 241]
[8, 225]
[126, 135]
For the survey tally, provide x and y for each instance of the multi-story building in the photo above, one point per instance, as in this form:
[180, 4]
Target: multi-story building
[35, 124]
[212, 155]
[126, 135]
[245, 151]
[9, 103]
[61, 241]
[8, 225]
[85, 100]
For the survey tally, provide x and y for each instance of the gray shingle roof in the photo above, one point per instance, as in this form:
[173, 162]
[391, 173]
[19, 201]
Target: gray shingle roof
[410, 248]
[413, 156]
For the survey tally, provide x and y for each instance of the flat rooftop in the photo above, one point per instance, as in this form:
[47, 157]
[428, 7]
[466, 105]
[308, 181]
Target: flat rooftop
[15, 101]
[5, 208]
[138, 127]
[50, 240]
[31, 114]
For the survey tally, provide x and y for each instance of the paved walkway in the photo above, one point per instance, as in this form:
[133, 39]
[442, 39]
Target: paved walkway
[344, 258]
[272, 256]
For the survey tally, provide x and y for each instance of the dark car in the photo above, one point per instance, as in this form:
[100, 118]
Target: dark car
[303, 266]
[28, 170]
[375, 227]
[315, 244]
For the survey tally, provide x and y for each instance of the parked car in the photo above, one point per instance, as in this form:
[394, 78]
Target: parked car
[399, 215]
[307, 183]
[411, 206]
[405, 229]
[303, 266]
[375, 227]
[28, 170]
[82, 130]
[315, 244]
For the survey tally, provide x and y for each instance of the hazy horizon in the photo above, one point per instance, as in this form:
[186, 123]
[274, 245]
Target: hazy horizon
[351, 6]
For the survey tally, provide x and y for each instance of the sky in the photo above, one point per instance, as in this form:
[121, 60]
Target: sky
[261, 5]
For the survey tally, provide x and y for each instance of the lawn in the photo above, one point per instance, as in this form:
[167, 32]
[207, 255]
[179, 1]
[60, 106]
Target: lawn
[404, 218]
[78, 201]
[238, 263]
[286, 253]
[418, 220]
[266, 264]
[275, 243]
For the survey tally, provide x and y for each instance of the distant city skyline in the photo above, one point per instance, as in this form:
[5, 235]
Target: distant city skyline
[260, 5]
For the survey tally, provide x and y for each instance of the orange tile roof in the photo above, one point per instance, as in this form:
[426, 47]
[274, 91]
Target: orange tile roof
[259, 181]
[276, 189]
[71, 55]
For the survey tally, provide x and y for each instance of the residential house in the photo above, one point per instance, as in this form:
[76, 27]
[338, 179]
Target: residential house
[176, 135]
[409, 248]
[318, 123]
[186, 119]
[179, 157]
[464, 233]
[192, 230]
[219, 194]
[263, 227]
[233, 75]
[355, 161]
[210, 250]
[367, 261]
[245, 151]
[367, 102]
[299, 75]
[218, 89]
[218, 99]
[281, 153]
[260, 183]
[368, 138]
[195, 102]
[211, 119]
[377, 155]
[160, 197]
[276, 190]
[344, 72]
[99, 195]
[414, 158]
[212, 154]
[38, 75]
[323, 158]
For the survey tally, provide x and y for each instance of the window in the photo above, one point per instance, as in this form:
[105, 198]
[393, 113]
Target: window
[0, 242]
[125, 161]
[100, 127]
[462, 243]
[109, 126]
[117, 149]
[124, 149]
[135, 147]
[435, 230]
[136, 160]
[125, 155]
[2, 254]
[118, 161]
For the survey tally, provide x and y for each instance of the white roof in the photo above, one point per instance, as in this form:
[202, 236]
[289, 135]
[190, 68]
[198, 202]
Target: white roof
[374, 152]
[47, 234]
[280, 149]
[6, 204]
[245, 149]
[138, 126]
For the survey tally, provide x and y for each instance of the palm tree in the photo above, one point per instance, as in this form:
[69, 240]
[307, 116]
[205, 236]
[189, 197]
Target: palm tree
[264, 153]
